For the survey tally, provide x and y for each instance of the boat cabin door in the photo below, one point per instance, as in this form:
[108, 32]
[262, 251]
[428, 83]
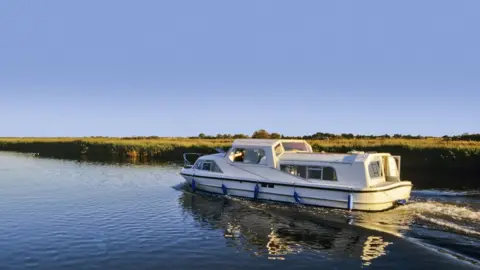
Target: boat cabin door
[392, 168]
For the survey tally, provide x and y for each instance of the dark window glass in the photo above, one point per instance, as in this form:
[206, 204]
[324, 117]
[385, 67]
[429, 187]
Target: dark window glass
[315, 174]
[295, 170]
[302, 171]
[329, 174]
[207, 166]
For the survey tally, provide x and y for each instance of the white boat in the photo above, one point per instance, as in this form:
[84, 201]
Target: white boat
[289, 171]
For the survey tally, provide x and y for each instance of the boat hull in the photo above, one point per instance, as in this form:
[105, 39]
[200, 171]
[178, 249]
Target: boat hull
[363, 200]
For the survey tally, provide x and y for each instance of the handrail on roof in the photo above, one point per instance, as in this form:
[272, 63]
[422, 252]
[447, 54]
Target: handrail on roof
[186, 162]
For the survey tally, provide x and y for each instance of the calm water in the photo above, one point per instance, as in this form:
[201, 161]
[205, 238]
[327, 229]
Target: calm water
[57, 214]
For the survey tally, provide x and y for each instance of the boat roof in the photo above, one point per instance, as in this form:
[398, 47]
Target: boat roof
[263, 142]
[323, 157]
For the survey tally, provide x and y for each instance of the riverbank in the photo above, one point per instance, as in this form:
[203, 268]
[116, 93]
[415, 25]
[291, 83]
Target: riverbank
[432, 162]
[431, 153]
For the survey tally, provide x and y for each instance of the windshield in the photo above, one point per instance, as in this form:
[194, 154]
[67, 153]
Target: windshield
[294, 146]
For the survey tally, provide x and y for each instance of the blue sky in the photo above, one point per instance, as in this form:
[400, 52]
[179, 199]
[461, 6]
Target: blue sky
[178, 68]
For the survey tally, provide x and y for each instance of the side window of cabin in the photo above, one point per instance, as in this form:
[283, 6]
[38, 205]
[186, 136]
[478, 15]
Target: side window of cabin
[295, 170]
[329, 174]
[311, 172]
[374, 169]
[249, 156]
[207, 165]
[315, 173]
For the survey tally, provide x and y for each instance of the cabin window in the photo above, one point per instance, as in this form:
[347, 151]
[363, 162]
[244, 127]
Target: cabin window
[207, 165]
[315, 173]
[198, 164]
[375, 169]
[294, 146]
[278, 150]
[329, 174]
[295, 170]
[249, 156]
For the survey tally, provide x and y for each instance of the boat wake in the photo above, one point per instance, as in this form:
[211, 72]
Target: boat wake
[448, 211]
[448, 227]
[446, 193]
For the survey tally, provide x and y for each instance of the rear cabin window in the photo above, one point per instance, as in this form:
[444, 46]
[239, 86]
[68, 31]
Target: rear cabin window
[375, 169]
[324, 173]
[278, 150]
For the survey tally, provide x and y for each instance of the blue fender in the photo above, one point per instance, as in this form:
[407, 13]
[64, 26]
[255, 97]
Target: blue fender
[193, 185]
[255, 192]
[350, 201]
[297, 198]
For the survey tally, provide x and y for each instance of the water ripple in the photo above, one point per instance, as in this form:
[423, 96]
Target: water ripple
[63, 214]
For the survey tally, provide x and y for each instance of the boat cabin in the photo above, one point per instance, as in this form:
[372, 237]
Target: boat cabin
[296, 157]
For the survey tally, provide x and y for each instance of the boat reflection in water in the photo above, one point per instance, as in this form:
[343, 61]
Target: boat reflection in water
[278, 231]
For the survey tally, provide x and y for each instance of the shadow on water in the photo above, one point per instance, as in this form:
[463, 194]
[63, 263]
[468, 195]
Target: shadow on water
[277, 231]
[427, 178]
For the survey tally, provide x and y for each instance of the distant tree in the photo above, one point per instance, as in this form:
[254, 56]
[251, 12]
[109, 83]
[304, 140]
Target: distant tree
[201, 135]
[347, 135]
[261, 134]
[240, 136]
[275, 135]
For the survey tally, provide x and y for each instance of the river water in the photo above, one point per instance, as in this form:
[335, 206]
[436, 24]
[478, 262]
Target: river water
[59, 214]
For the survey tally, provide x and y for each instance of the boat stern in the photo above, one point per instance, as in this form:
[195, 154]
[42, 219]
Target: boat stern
[383, 197]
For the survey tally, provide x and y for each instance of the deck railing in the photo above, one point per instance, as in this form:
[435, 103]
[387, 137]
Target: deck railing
[188, 163]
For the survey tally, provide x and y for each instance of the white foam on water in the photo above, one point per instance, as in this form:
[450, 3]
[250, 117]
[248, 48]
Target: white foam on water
[449, 225]
[453, 211]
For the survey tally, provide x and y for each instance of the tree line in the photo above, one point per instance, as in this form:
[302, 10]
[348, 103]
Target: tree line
[264, 134]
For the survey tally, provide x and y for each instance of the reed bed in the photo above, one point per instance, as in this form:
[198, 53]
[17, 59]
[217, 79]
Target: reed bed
[416, 153]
